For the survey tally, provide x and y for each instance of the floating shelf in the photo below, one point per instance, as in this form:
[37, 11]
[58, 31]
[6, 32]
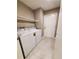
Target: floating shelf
[24, 20]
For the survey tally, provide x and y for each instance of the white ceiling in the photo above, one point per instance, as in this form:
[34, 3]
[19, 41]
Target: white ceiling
[44, 4]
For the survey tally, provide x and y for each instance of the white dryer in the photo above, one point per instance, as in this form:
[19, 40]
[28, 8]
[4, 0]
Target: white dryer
[29, 39]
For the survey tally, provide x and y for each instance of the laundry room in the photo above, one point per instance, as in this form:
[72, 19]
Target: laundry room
[39, 29]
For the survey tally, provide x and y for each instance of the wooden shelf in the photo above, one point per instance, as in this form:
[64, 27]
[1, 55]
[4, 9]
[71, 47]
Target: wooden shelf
[24, 20]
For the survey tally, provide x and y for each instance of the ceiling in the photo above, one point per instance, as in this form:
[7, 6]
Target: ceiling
[44, 4]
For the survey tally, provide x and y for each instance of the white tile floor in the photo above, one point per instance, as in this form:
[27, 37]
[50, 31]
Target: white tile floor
[44, 50]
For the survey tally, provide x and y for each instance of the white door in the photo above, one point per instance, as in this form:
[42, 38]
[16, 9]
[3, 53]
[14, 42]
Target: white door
[50, 24]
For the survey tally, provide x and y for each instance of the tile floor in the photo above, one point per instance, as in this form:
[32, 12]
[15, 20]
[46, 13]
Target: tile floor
[44, 50]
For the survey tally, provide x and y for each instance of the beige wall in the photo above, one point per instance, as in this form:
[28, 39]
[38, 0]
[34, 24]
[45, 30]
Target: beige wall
[58, 41]
[25, 25]
[39, 15]
[26, 12]
[51, 11]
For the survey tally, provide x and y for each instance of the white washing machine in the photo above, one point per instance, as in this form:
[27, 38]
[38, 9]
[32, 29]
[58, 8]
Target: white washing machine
[29, 39]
